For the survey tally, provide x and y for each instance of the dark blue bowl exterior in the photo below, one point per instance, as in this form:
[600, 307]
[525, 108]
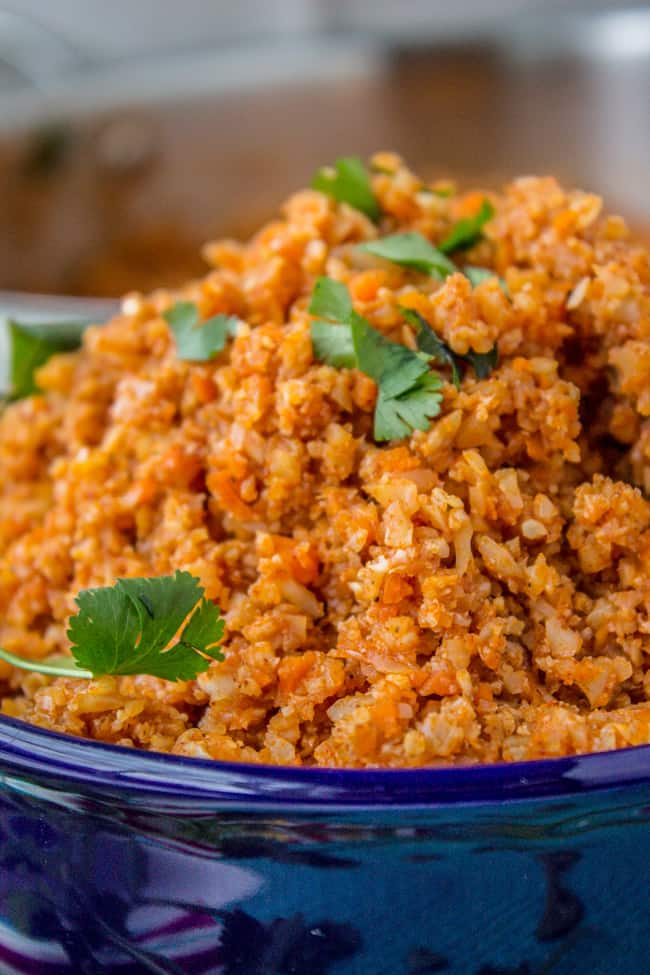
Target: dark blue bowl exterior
[111, 861]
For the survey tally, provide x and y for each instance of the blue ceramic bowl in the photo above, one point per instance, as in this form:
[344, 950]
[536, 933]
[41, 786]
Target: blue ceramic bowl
[120, 861]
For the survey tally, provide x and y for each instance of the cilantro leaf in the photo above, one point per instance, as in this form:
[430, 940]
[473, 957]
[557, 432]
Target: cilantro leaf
[428, 342]
[348, 181]
[330, 299]
[333, 344]
[203, 628]
[467, 231]
[31, 345]
[393, 367]
[111, 623]
[483, 362]
[127, 628]
[412, 250]
[398, 416]
[434, 346]
[198, 341]
[161, 607]
[477, 275]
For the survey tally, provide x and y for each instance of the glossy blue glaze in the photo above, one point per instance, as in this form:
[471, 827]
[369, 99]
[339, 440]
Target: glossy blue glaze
[127, 862]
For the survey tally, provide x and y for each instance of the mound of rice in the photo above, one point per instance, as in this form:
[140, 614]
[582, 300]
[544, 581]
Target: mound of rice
[478, 592]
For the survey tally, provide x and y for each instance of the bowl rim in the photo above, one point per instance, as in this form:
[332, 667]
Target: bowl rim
[34, 758]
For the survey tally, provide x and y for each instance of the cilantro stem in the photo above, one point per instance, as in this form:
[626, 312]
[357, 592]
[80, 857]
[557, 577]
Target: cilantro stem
[42, 667]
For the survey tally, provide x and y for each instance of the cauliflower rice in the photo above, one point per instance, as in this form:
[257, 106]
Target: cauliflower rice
[475, 593]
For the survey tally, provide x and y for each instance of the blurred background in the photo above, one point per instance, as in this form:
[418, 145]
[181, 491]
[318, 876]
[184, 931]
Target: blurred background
[131, 132]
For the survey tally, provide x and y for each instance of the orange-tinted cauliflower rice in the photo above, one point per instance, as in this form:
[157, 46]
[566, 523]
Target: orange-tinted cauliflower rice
[478, 592]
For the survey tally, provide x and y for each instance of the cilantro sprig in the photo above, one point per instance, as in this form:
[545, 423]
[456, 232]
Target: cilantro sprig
[412, 250]
[468, 231]
[430, 343]
[198, 341]
[397, 416]
[483, 363]
[348, 181]
[408, 393]
[30, 347]
[477, 275]
[433, 345]
[129, 628]
[332, 339]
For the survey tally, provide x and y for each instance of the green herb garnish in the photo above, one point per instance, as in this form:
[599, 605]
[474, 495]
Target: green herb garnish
[394, 368]
[477, 275]
[408, 393]
[434, 346]
[348, 182]
[483, 362]
[333, 344]
[331, 299]
[31, 345]
[198, 341]
[414, 251]
[467, 231]
[128, 628]
[428, 342]
[398, 416]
